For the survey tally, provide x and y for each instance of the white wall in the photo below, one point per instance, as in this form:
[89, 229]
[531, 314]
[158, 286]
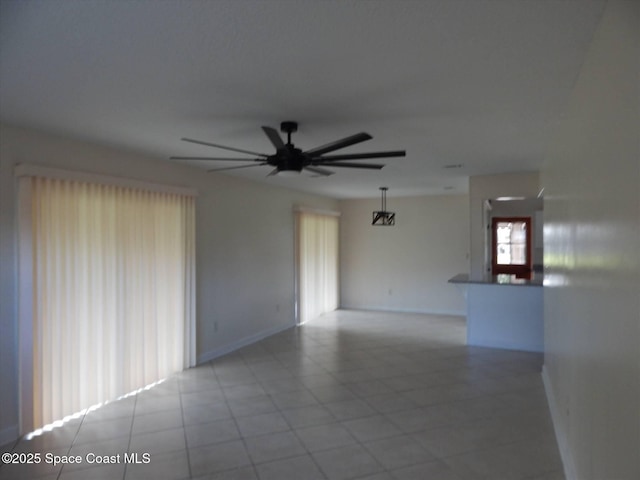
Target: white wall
[244, 237]
[404, 267]
[485, 187]
[592, 259]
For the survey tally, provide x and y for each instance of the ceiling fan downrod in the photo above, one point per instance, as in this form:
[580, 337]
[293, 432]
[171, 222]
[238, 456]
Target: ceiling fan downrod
[289, 128]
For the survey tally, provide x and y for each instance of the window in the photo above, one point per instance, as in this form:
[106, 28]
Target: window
[511, 249]
[317, 245]
[109, 296]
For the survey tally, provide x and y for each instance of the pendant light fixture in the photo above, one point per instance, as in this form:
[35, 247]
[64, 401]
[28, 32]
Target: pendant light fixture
[382, 217]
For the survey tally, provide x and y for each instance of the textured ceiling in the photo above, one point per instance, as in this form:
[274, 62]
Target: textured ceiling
[456, 82]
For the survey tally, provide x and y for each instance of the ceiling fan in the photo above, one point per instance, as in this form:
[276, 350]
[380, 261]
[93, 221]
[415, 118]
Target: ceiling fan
[288, 158]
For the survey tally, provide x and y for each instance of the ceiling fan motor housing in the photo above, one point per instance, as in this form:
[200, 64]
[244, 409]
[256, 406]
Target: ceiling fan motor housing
[288, 159]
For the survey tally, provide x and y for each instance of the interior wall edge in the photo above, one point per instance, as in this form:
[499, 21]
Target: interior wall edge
[563, 444]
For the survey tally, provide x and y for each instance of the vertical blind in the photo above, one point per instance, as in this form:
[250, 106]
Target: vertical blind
[317, 264]
[113, 291]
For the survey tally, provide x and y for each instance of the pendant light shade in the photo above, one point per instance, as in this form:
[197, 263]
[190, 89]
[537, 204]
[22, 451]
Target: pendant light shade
[382, 217]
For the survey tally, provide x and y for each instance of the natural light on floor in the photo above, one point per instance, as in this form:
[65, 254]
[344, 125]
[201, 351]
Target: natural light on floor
[59, 423]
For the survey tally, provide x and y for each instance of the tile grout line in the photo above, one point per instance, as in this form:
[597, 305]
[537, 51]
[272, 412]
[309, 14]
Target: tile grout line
[361, 368]
[184, 427]
[226, 400]
[293, 432]
[133, 419]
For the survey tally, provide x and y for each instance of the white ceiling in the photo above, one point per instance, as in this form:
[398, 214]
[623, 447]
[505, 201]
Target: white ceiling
[470, 82]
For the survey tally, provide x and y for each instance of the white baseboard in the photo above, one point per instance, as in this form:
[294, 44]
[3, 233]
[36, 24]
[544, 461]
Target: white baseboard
[561, 438]
[374, 308]
[9, 435]
[524, 347]
[218, 352]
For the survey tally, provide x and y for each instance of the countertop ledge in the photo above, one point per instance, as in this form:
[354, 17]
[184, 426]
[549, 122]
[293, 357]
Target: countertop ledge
[512, 280]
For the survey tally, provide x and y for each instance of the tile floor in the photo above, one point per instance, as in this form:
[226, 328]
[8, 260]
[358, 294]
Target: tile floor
[363, 395]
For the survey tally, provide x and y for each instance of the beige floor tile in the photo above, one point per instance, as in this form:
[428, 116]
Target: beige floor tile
[351, 461]
[352, 394]
[262, 424]
[302, 467]
[98, 472]
[273, 446]
[158, 444]
[218, 431]
[371, 428]
[350, 409]
[435, 470]
[397, 452]
[218, 457]
[307, 416]
[242, 473]
[157, 421]
[325, 437]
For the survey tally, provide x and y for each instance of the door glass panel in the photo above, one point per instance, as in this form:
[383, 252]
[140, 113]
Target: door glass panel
[511, 243]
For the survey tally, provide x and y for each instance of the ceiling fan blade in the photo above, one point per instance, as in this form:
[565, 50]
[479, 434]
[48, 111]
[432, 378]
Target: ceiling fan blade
[274, 136]
[362, 156]
[273, 172]
[199, 142]
[338, 144]
[371, 166]
[235, 168]
[217, 159]
[319, 171]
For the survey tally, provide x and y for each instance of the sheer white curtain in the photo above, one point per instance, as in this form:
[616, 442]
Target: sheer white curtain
[113, 291]
[317, 238]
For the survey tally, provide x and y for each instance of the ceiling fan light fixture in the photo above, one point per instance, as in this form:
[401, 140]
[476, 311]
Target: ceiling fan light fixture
[383, 217]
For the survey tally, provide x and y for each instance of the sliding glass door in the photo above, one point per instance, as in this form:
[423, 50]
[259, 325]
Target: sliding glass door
[112, 293]
[317, 264]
